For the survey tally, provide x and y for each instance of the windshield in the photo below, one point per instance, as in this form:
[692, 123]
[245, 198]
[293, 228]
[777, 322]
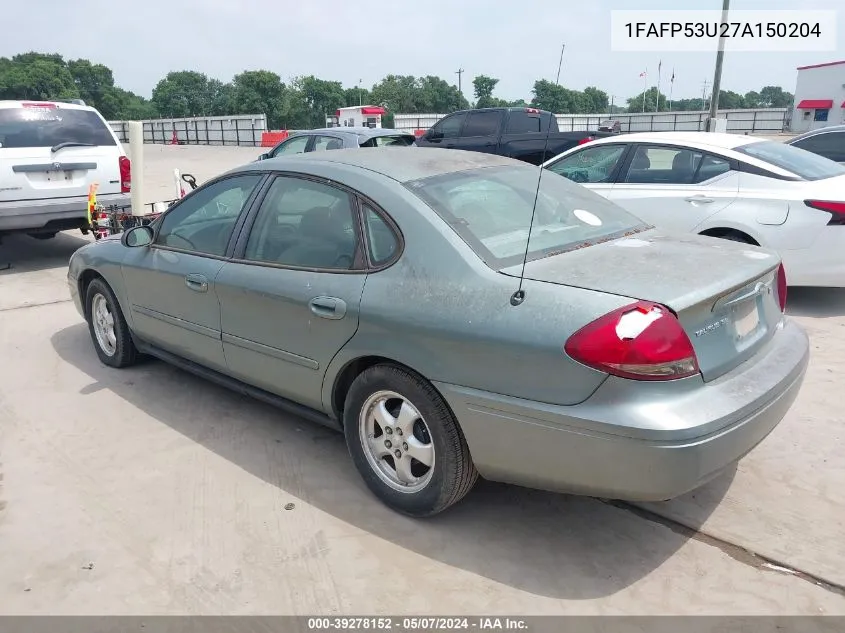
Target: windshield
[49, 126]
[490, 209]
[800, 162]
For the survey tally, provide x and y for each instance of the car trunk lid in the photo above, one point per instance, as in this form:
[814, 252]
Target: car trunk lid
[723, 293]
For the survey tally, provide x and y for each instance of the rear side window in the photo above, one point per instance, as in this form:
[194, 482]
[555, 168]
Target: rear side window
[51, 126]
[828, 144]
[483, 123]
[526, 122]
[800, 162]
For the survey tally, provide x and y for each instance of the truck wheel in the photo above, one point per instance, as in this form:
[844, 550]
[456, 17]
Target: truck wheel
[405, 442]
[109, 330]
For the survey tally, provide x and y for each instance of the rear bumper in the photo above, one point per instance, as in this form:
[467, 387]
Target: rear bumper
[634, 441]
[822, 264]
[37, 214]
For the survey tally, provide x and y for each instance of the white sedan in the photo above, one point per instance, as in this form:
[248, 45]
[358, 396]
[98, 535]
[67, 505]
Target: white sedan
[730, 186]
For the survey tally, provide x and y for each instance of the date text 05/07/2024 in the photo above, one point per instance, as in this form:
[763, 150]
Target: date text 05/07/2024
[724, 29]
[416, 623]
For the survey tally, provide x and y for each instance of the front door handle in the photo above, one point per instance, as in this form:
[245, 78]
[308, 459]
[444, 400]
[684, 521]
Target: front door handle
[699, 198]
[197, 283]
[328, 307]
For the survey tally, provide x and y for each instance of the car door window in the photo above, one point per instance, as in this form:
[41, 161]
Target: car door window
[654, 165]
[304, 224]
[590, 165]
[324, 143]
[204, 221]
[398, 140]
[447, 127]
[482, 123]
[296, 145]
[829, 144]
[382, 242]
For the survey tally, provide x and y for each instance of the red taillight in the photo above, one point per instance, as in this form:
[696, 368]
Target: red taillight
[532, 110]
[125, 174]
[782, 288]
[585, 140]
[39, 104]
[837, 209]
[641, 341]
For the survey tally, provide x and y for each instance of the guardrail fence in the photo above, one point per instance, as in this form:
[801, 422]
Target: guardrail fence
[759, 121]
[242, 129]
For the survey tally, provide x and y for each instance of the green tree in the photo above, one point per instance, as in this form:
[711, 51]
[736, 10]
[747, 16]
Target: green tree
[36, 76]
[730, 100]
[311, 100]
[483, 87]
[133, 107]
[434, 94]
[95, 85]
[752, 99]
[775, 97]
[356, 96]
[184, 93]
[398, 93]
[595, 100]
[635, 104]
[260, 92]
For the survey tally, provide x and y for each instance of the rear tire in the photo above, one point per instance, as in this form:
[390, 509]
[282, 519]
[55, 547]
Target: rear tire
[392, 417]
[107, 326]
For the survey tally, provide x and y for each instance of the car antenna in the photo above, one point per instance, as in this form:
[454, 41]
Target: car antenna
[519, 296]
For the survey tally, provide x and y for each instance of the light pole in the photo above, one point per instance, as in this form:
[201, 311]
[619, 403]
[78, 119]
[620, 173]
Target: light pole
[717, 74]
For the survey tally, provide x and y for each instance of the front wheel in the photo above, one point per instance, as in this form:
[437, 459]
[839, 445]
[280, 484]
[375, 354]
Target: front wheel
[405, 442]
[107, 325]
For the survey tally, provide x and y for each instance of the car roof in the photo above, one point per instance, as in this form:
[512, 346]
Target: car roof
[817, 131]
[6, 104]
[368, 132]
[695, 139]
[403, 164]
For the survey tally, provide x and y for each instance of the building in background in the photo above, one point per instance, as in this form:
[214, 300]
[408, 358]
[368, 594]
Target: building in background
[819, 96]
[357, 116]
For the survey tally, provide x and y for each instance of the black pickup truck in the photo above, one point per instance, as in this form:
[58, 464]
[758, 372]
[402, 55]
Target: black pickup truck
[515, 132]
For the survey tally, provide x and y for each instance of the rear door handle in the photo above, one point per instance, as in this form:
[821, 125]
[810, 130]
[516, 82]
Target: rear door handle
[197, 283]
[328, 307]
[699, 198]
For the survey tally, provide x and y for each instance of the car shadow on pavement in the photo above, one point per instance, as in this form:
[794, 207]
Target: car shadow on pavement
[21, 253]
[815, 302]
[551, 545]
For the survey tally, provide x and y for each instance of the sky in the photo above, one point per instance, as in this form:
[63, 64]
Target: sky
[516, 42]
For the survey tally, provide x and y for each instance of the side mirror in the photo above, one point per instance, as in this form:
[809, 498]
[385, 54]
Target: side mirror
[137, 236]
[264, 156]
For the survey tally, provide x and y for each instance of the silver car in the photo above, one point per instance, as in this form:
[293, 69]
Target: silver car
[332, 138]
[396, 297]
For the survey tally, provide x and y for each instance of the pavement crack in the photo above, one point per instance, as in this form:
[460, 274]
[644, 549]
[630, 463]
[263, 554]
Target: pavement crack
[737, 552]
[34, 305]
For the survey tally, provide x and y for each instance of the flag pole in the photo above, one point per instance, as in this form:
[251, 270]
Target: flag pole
[671, 87]
[645, 86]
[657, 102]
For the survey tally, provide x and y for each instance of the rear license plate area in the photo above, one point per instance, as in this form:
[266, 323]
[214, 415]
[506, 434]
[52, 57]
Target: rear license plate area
[746, 319]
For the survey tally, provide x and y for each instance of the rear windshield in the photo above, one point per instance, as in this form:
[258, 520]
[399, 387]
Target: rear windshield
[400, 140]
[800, 162]
[490, 209]
[48, 127]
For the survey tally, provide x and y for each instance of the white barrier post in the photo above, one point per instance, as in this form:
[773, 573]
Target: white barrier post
[177, 178]
[136, 158]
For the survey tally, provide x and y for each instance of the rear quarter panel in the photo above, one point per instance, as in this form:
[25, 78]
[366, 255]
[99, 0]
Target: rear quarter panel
[442, 312]
[105, 259]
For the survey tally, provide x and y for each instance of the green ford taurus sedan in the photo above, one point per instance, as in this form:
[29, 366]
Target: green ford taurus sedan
[395, 295]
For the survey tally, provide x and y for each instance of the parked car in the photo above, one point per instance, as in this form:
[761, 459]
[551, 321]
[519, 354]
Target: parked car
[381, 297]
[527, 134]
[50, 152]
[332, 138]
[827, 141]
[730, 186]
[610, 125]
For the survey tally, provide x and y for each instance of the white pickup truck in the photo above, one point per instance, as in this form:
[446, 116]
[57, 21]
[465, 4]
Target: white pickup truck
[50, 153]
